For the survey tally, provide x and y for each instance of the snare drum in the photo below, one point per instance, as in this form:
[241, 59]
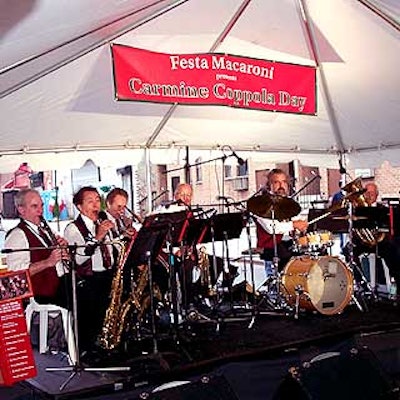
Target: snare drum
[323, 284]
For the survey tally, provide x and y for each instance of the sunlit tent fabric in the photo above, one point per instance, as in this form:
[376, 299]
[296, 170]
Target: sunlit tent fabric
[56, 86]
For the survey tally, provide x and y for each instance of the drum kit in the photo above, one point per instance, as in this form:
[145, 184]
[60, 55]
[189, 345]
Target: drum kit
[312, 279]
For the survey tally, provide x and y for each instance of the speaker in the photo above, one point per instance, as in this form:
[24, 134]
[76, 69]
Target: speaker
[347, 375]
[214, 387]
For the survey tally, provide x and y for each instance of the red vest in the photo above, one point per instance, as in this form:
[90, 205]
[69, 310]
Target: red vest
[265, 239]
[46, 282]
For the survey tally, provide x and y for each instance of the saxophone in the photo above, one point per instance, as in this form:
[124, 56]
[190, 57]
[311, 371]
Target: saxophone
[204, 266]
[117, 315]
[109, 335]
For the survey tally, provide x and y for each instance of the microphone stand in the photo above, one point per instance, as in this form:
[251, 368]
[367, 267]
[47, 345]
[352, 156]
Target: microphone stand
[305, 185]
[77, 368]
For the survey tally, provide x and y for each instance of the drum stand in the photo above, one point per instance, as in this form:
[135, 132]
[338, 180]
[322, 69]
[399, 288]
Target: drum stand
[274, 285]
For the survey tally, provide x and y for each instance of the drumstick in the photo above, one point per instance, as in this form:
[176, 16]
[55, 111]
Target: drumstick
[320, 217]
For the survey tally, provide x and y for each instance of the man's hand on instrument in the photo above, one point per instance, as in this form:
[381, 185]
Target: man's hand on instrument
[103, 227]
[300, 225]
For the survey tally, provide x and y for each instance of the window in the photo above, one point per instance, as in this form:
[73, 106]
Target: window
[199, 171]
[228, 171]
[242, 170]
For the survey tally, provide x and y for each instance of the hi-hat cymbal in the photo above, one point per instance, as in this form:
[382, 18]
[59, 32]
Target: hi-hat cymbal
[273, 205]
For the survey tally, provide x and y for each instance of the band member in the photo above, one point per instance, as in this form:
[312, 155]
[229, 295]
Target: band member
[45, 251]
[277, 184]
[184, 194]
[184, 257]
[116, 211]
[182, 199]
[94, 263]
[388, 248]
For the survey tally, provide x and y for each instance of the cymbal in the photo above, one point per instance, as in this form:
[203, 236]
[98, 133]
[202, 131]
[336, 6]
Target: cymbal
[268, 205]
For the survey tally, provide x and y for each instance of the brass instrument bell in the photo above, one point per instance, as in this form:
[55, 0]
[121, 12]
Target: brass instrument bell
[355, 193]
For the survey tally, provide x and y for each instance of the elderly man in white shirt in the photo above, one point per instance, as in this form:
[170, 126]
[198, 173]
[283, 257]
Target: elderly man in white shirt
[38, 249]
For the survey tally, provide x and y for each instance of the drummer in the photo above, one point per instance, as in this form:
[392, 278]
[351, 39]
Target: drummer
[278, 184]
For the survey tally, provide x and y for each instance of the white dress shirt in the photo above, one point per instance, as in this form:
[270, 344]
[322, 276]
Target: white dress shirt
[74, 237]
[20, 260]
[281, 227]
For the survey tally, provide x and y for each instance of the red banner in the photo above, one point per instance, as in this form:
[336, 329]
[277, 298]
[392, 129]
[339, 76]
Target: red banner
[213, 79]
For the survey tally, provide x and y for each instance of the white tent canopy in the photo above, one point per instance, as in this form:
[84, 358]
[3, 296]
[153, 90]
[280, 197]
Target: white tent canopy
[57, 95]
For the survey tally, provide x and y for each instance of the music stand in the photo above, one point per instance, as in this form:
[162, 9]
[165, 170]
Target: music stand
[172, 227]
[223, 227]
[332, 222]
[177, 223]
[375, 218]
[144, 251]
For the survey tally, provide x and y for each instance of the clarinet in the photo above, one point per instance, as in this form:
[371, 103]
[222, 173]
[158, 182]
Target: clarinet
[49, 232]
[53, 239]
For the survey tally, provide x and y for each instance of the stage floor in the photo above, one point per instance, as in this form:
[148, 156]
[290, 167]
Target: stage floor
[268, 341]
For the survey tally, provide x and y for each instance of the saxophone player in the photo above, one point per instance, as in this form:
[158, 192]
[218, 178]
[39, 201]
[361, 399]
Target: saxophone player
[91, 232]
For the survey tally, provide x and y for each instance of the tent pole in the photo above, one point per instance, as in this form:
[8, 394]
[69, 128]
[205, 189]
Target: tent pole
[342, 168]
[148, 179]
[187, 166]
[214, 46]
[309, 27]
[381, 13]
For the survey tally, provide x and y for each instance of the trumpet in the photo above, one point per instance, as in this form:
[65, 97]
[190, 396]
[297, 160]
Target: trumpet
[125, 223]
[135, 217]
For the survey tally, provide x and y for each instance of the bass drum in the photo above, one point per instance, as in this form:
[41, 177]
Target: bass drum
[324, 284]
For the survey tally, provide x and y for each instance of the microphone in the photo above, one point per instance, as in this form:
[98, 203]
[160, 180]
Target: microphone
[239, 159]
[226, 198]
[6, 251]
[91, 247]
[342, 169]
[102, 216]
[315, 174]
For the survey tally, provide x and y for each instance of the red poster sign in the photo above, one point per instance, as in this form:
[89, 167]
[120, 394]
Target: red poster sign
[213, 79]
[16, 361]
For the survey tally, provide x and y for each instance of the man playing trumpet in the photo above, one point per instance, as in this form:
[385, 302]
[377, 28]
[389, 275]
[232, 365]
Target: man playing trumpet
[126, 226]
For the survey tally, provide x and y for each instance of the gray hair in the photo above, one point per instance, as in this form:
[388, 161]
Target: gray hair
[19, 199]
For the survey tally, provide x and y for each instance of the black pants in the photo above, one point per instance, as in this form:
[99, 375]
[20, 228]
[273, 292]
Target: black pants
[388, 249]
[93, 299]
[284, 253]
